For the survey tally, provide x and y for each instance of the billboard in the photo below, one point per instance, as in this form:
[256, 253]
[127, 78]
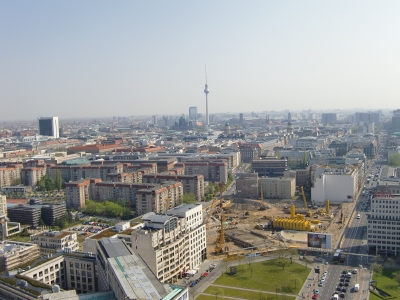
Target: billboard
[319, 240]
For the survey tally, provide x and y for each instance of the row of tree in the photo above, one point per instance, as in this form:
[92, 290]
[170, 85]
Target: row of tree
[109, 209]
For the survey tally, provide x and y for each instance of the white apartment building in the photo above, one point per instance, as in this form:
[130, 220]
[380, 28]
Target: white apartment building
[164, 245]
[338, 185]
[384, 224]
[193, 214]
[56, 241]
[13, 254]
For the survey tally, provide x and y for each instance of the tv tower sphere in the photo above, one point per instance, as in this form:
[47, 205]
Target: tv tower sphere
[206, 90]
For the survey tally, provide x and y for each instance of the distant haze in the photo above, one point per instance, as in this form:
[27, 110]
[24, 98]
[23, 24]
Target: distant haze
[102, 58]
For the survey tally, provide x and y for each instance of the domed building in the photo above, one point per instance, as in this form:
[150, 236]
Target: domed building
[183, 124]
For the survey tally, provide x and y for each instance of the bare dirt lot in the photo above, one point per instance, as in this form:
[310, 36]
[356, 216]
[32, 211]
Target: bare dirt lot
[243, 218]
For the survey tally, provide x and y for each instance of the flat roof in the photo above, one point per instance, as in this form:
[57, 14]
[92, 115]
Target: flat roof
[114, 247]
[182, 208]
[134, 282]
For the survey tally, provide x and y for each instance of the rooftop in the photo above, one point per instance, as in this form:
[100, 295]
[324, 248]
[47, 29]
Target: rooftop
[134, 282]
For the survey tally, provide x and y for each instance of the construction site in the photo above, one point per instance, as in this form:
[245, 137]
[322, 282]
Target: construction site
[240, 226]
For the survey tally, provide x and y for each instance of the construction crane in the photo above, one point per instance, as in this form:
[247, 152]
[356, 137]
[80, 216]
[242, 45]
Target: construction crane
[262, 206]
[207, 220]
[219, 244]
[308, 213]
[166, 205]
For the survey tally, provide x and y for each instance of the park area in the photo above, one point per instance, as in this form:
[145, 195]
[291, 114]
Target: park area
[273, 279]
[386, 282]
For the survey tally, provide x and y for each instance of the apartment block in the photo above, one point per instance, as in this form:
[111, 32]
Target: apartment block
[78, 172]
[31, 175]
[55, 241]
[125, 273]
[10, 174]
[159, 198]
[282, 188]
[163, 244]
[384, 224]
[193, 214]
[3, 205]
[13, 254]
[214, 171]
[270, 166]
[192, 184]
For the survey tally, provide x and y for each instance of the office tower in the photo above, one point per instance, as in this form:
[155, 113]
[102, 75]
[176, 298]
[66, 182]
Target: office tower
[206, 91]
[396, 121]
[48, 126]
[192, 113]
[154, 120]
[241, 118]
[328, 118]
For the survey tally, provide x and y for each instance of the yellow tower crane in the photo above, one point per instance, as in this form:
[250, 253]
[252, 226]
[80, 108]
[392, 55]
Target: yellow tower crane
[308, 213]
[221, 238]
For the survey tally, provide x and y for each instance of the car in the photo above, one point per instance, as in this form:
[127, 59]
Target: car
[344, 290]
[347, 280]
[346, 284]
[341, 283]
[320, 284]
[338, 288]
[344, 271]
[325, 273]
[355, 271]
[342, 279]
[342, 295]
[193, 284]
[316, 292]
[322, 279]
[315, 296]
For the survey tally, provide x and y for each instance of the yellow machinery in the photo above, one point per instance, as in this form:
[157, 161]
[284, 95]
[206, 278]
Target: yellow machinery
[300, 223]
[308, 213]
[327, 206]
[219, 244]
[296, 222]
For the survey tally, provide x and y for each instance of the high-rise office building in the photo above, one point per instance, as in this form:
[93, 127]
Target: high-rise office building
[396, 121]
[48, 126]
[193, 113]
[329, 118]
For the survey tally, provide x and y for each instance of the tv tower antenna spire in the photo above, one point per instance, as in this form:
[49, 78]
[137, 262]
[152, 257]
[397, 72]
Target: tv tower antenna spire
[206, 91]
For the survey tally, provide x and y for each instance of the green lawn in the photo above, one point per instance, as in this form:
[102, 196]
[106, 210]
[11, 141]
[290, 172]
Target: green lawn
[17, 238]
[232, 292]
[268, 276]
[386, 282]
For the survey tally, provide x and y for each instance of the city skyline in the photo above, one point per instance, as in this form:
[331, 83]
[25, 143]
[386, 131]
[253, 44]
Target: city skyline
[101, 59]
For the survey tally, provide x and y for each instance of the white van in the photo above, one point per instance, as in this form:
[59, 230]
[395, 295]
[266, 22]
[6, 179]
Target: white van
[335, 297]
[356, 287]
[358, 216]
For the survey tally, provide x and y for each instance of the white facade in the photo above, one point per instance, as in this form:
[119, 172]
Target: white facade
[193, 214]
[3, 205]
[337, 185]
[384, 224]
[52, 241]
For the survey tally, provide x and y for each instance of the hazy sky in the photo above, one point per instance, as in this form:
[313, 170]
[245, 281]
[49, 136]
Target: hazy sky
[121, 58]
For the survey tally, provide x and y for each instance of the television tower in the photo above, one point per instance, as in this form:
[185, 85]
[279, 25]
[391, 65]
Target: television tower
[206, 91]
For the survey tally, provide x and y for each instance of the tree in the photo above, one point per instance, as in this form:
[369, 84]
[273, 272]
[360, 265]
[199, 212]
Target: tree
[391, 262]
[58, 180]
[230, 177]
[282, 263]
[396, 276]
[188, 198]
[377, 268]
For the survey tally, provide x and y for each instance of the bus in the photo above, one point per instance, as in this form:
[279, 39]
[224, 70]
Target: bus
[336, 257]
